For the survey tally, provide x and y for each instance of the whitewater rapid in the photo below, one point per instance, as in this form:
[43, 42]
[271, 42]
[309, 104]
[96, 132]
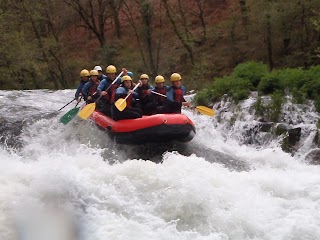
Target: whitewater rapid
[71, 182]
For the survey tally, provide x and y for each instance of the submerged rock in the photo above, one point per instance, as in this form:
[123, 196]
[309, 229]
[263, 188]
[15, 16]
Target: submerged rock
[281, 128]
[313, 157]
[265, 126]
[294, 135]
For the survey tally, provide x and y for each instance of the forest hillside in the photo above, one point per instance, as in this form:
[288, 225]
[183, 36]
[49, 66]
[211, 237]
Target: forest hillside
[45, 44]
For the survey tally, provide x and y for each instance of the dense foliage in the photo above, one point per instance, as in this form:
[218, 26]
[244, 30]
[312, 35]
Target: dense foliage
[302, 84]
[44, 44]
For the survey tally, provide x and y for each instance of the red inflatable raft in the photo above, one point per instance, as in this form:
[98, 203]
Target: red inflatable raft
[155, 128]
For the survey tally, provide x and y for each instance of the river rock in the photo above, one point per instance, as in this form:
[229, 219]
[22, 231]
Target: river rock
[294, 135]
[282, 128]
[291, 139]
[316, 139]
[265, 126]
[313, 157]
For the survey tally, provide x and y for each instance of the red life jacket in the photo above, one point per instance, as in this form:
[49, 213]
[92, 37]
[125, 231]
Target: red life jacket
[112, 93]
[130, 98]
[93, 88]
[143, 90]
[162, 91]
[178, 95]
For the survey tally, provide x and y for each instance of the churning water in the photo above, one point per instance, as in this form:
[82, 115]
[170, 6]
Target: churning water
[72, 182]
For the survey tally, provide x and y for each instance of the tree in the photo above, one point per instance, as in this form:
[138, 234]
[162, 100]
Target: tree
[115, 7]
[143, 30]
[183, 34]
[94, 15]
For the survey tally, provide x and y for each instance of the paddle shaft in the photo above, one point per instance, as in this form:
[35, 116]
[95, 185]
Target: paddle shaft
[159, 94]
[114, 81]
[67, 104]
[78, 102]
[130, 93]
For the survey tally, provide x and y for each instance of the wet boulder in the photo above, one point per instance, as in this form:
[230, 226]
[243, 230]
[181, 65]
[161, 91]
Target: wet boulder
[292, 137]
[265, 126]
[316, 139]
[281, 128]
[313, 157]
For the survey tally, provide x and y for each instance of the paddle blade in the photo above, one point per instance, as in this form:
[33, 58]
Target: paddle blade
[121, 104]
[205, 110]
[69, 115]
[87, 111]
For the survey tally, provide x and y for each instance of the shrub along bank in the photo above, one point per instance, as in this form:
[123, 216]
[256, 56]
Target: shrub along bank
[253, 76]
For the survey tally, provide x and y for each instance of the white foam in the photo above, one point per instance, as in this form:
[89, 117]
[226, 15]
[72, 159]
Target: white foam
[60, 176]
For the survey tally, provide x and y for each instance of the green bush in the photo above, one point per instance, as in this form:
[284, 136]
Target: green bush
[275, 108]
[291, 78]
[317, 103]
[299, 96]
[303, 84]
[312, 82]
[271, 83]
[236, 88]
[204, 97]
[252, 71]
[259, 108]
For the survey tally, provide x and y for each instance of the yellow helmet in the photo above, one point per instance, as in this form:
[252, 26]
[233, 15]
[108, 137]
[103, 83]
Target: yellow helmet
[175, 77]
[94, 73]
[126, 78]
[84, 73]
[111, 69]
[144, 76]
[159, 79]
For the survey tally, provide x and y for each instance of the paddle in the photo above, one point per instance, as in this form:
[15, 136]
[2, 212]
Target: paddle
[202, 109]
[69, 115]
[66, 118]
[89, 108]
[67, 104]
[159, 94]
[121, 103]
[205, 110]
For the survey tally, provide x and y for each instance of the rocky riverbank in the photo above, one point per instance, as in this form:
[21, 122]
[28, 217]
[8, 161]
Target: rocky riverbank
[256, 121]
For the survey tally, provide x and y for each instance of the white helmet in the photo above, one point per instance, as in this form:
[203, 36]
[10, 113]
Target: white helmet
[98, 68]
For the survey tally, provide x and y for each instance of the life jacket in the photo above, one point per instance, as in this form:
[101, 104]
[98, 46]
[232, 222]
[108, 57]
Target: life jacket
[122, 92]
[178, 94]
[93, 88]
[110, 96]
[130, 98]
[159, 98]
[143, 90]
[112, 93]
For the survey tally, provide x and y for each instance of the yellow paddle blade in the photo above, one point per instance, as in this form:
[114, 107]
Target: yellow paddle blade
[205, 110]
[87, 111]
[121, 104]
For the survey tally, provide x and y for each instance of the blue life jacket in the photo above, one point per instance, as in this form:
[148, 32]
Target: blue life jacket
[87, 89]
[79, 89]
[102, 77]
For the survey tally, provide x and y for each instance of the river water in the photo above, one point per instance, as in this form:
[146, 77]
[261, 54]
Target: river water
[71, 182]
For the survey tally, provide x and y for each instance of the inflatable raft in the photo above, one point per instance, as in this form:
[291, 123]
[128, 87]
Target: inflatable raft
[154, 128]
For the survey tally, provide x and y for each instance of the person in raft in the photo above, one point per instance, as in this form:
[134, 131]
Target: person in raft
[89, 91]
[175, 99]
[101, 75]
[145, 95]
[159, 101]
[129, 112]
[108, 97]
[84, 78]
